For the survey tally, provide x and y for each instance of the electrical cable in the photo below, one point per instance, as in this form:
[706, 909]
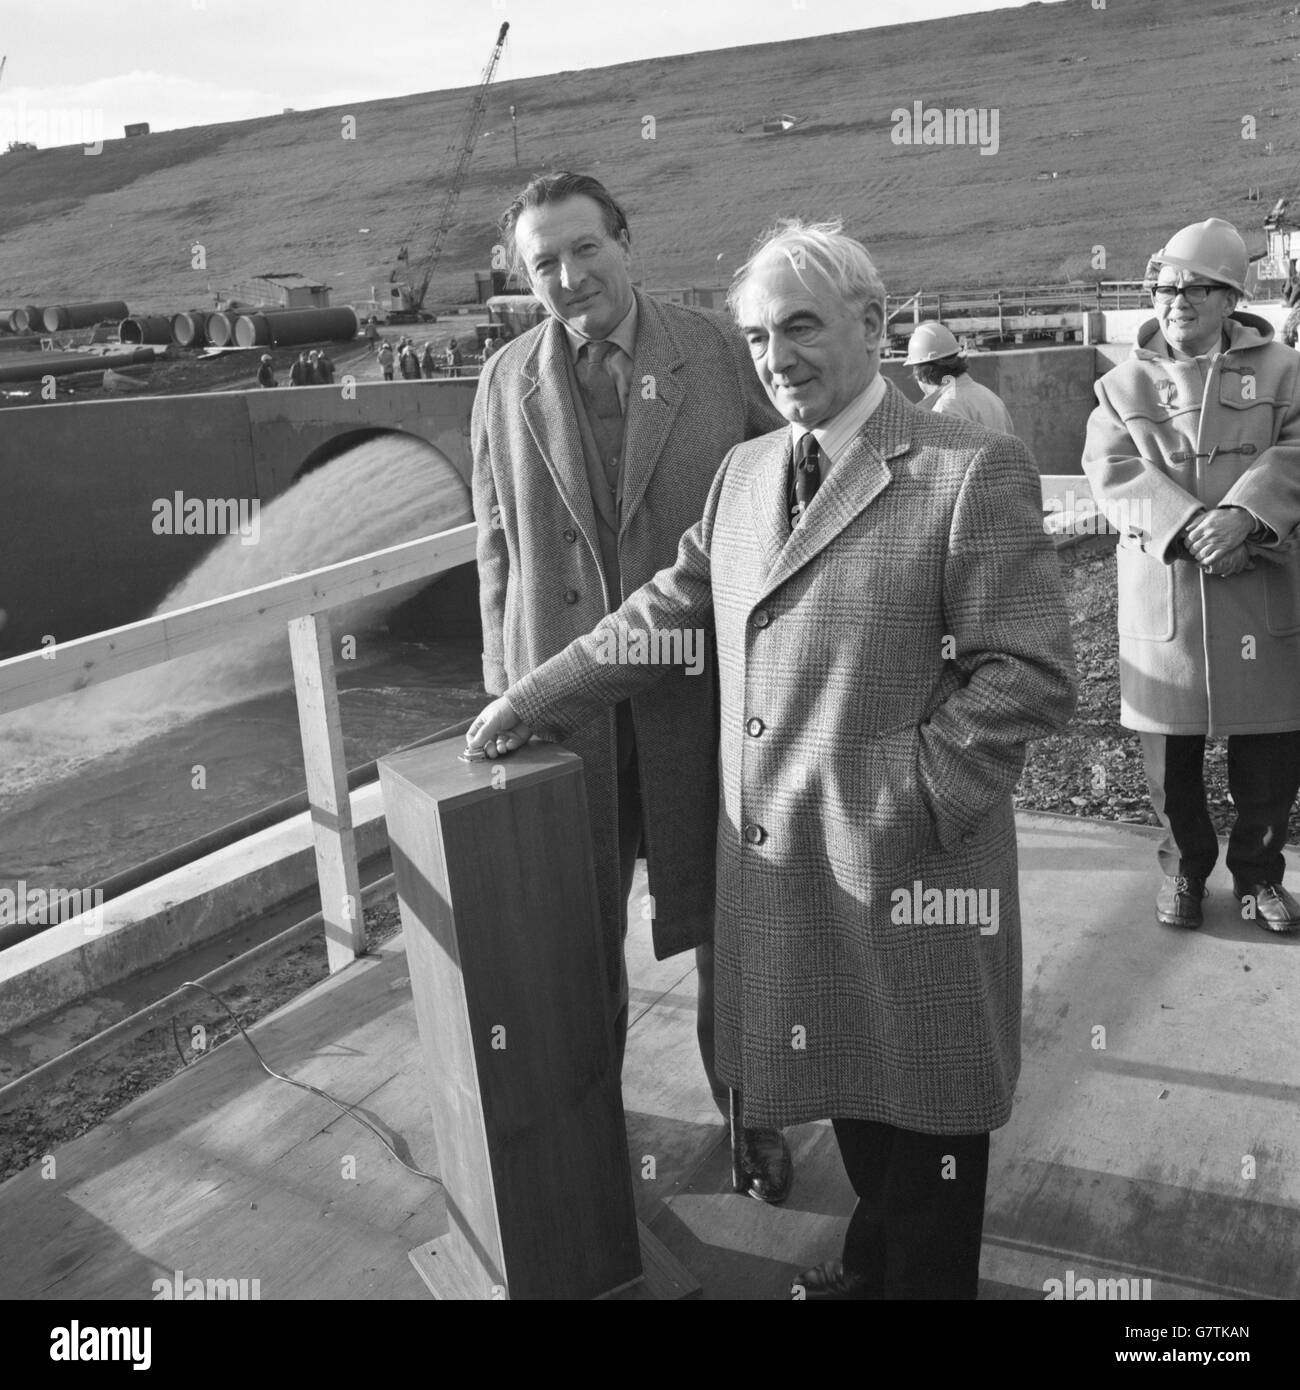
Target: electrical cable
[304, 1085]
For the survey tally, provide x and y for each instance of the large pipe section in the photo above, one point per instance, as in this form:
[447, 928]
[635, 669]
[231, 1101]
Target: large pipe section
[62, 316]
[290, 327]
[190, 328]
[20, 342]
[252, 330]
[139, 328]
[65, 363]
[220, 328]
[28, 319]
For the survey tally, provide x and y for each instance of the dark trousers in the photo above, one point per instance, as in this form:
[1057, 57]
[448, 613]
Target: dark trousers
[629, 846]
[1263, 777]
[916, 1230]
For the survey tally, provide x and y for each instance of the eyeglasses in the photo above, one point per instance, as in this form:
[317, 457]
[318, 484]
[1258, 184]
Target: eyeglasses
[1194, 294]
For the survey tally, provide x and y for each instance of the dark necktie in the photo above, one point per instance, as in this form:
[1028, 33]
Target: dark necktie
[807, 476]
[596, 372]
[604, 409]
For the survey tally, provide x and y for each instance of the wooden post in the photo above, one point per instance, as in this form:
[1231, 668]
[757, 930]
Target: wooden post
[327, 788]
[513, 998]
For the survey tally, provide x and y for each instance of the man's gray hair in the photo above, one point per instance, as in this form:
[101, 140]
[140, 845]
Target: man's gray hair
[841, 260]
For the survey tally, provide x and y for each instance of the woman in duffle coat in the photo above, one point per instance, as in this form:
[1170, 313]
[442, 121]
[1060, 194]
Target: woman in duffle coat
[1202, 653]
[880, 672]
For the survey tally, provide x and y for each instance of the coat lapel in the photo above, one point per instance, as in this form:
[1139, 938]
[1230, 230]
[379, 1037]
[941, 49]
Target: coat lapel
[657, 363]
[549, 413]
[769, 509]
[859, 476]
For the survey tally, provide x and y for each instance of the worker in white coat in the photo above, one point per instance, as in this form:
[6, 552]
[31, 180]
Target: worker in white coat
[939, 368]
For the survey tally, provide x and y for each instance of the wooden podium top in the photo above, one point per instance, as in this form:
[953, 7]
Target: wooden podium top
[439, 772]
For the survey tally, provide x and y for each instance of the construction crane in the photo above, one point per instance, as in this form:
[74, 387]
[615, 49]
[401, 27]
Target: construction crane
[407, 300]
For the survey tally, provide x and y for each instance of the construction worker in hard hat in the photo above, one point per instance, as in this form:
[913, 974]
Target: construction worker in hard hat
[266, 372]
[939, 368]
[1193, 452]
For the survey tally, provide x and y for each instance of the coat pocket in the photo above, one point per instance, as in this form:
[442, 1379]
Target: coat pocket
[885, 798]
[1146, 594]
[1281, 597]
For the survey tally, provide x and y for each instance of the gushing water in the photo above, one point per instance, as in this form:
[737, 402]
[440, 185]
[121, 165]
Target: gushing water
[384, 491]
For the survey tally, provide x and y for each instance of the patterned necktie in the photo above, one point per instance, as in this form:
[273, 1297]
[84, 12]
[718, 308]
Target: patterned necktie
[807, 475]
[596, 373]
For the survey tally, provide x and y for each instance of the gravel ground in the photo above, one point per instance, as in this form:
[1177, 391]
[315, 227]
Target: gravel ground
[1093, 769]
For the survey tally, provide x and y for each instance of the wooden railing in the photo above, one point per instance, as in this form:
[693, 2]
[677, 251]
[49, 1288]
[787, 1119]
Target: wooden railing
[300, 604]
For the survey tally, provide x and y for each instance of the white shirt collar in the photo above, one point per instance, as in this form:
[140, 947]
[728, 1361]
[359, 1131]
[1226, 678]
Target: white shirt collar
[623, 336]
[835, 435]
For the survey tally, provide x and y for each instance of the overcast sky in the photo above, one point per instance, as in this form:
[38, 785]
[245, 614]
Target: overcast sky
[194, 62]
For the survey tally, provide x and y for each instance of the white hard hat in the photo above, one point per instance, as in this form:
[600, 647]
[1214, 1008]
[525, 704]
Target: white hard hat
[266, 357]
[1212, 248]
[929, 343]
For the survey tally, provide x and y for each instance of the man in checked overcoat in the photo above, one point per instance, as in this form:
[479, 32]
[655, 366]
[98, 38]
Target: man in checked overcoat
[891, 632]
[596, 436]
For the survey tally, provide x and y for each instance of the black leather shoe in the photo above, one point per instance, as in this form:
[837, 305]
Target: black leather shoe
[1275, 908]
[763, 1165]
[1178, 904]
[831, 1282]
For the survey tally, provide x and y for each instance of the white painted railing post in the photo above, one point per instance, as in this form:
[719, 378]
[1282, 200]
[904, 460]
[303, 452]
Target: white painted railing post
[327, 788]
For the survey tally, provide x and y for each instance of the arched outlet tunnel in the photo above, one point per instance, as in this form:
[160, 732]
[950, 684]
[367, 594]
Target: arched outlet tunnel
[109, 504]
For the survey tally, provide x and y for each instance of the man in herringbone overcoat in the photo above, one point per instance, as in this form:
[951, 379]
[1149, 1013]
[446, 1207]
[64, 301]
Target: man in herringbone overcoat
[887, 645]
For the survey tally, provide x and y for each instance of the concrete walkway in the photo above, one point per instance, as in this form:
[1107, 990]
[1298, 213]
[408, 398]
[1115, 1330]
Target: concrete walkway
[1156, 1132]
[1155, 1135]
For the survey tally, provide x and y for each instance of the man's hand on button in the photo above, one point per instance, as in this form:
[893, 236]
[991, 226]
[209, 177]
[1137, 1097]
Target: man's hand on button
[1214, 535]
[497, 730]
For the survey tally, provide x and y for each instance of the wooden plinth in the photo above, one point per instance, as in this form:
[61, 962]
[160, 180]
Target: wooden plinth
[663, 1275]
[498, 900]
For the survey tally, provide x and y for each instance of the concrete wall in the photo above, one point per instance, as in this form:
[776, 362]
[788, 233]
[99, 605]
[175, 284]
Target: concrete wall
[1047, 390]
[79, 481]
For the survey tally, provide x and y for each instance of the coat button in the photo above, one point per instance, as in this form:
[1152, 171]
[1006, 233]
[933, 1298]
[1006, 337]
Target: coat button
[762, 618]
[570, 535]
[755, 727]
[755, 834]
[571, 596]
[968, 838]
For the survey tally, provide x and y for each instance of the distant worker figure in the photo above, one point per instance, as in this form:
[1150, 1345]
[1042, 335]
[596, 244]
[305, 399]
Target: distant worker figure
[428, 362]
[385, 356]
[301, 374]
[372, 330]
[1194, 451]
[266, 372]
[324, 368]
[410, 363]
[939, 368]
[452, 358]
[489, 347]
[1291, 328]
